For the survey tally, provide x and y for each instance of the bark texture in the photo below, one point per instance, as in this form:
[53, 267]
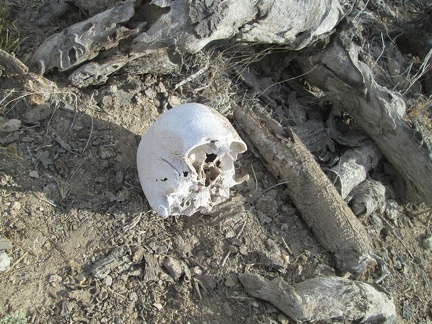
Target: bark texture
[324, 299]
[321, 206]
[349, 84]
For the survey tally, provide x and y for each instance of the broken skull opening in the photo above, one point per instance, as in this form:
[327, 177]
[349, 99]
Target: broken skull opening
[186, 160]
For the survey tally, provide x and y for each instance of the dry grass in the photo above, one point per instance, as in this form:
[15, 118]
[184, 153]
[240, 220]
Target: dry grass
[9, 35]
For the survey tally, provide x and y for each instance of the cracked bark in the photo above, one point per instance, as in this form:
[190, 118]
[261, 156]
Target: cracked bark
[323, 209]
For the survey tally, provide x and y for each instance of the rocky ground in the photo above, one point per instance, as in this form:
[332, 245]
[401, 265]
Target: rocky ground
[86, 247]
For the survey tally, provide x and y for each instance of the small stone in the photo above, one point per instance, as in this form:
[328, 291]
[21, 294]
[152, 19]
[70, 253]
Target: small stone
[398, 265]
[4, 261]
[196, 270]
[230, 280]
[282, 319]
[136, 273]
[138, 255]
[81, 278]
[34, 174]
[5, 244]
[158, 306]
[149, 93]
[174, 267]
[427, 242]
[10, 126]
[106, 152]
[108, 280]
[393, 211]
[37, 114]
[133, 296]
[161, 88]
[119, 178]
[174, 101]
[54, 278]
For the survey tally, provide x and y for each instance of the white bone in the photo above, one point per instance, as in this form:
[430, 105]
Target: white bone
[186, 160]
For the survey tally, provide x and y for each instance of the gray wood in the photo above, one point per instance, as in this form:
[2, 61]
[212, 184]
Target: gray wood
[324, 299]
[350, 85]
[353, 167]
[83, 41]
[323, 209]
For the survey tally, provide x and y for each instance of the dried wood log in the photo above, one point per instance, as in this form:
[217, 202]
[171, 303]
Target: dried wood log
[95, 73]
[84, 40]
[368, 197]
[321, 206]
[349, 84]
[324, 299]
[353, 167]
[182, 25]
[191, 25]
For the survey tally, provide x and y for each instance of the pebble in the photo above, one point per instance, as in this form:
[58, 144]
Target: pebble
[106, 152]
[427, 242]
[4, 261]
[282, 319]
[133, 296]
[34, 174]
[158, 306]
[174, 267]
[37, 114]
[108, 280]
[10, 126]
[5, 244]
[174, 101]
[398, 265]
[230, 280]
[138, 255]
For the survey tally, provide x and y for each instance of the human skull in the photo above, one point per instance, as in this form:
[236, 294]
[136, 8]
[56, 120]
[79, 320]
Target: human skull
[186, 160]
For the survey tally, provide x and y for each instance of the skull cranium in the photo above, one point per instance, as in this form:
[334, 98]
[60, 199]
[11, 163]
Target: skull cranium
[186, 160]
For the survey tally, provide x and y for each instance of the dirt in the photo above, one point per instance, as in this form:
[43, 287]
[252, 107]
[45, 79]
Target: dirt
[88, 248]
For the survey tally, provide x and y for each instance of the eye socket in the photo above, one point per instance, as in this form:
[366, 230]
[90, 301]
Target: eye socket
[210, 157]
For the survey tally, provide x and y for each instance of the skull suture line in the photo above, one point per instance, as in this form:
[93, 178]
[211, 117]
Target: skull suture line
[186, 160]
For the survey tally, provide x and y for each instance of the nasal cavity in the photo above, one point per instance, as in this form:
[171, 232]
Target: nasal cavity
[210, 157]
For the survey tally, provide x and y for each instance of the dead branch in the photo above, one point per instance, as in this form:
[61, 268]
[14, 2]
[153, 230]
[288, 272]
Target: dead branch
[323, 209]
[323, 299]
[349, 84]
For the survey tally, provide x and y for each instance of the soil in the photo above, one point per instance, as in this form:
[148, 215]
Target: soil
[88, 248]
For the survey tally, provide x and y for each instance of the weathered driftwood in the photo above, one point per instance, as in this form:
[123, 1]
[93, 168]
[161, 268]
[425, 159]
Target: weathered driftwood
[353, 167]
[83, 41]
[181, 25]
[368, 197]
[191, 25]
[349, 84]
[323, 209]
[324, 299]
[95, 73]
